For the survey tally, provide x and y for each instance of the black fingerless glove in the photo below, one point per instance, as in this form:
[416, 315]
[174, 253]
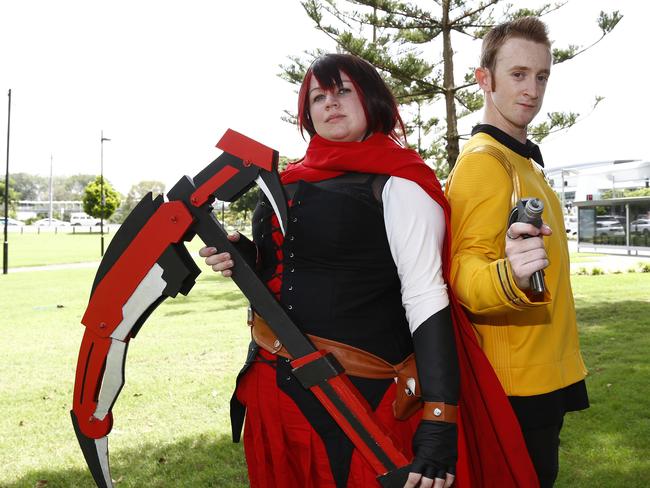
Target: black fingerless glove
[434, 447]
[435, 443]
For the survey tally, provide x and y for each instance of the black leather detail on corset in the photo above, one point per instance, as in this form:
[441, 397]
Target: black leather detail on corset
[339, 278]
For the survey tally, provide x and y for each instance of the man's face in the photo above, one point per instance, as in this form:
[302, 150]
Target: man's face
[515, 88]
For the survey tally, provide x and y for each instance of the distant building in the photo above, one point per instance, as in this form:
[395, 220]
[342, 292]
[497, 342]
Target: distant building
[588, 181]
[29, 209]
[616, 223]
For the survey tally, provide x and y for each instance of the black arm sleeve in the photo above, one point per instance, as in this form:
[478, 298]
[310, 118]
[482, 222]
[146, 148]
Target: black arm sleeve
[436, 358]
[435, 443]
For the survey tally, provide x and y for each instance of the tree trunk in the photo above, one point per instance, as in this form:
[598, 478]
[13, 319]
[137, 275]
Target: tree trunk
[449, 87]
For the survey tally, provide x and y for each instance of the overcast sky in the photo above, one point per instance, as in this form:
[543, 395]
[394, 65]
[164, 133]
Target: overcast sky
[164, 80]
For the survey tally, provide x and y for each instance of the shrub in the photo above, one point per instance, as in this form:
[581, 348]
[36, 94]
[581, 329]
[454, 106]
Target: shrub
[597, 272]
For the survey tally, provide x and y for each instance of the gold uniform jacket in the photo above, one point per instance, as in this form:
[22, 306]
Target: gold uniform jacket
[532, 344]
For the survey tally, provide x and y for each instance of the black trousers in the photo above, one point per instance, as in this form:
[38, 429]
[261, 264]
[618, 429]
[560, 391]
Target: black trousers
[541, 418]
[543, 447]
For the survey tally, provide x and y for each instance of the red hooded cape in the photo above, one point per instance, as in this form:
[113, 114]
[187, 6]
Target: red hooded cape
[491, 448]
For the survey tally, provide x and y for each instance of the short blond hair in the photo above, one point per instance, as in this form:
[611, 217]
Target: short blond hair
[528, 28]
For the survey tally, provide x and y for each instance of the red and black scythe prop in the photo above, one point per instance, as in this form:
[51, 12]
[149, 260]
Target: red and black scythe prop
[147, 262]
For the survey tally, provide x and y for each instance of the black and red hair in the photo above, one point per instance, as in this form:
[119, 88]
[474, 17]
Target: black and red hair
[376, 98]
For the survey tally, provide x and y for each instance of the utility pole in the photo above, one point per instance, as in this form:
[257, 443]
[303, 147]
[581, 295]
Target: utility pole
[5, 247]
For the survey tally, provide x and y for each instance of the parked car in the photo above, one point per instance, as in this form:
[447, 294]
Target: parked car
[10, 222]
[640, 226]
[81, 218]
[47, 222]
[609, 228]
[620, 219]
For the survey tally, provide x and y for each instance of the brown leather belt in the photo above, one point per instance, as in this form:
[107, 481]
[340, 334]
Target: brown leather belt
[364, 364]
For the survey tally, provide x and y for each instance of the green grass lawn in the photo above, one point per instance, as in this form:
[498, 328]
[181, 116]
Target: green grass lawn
[584, 257]
[32, 249]
[171, 421]
[609, 444]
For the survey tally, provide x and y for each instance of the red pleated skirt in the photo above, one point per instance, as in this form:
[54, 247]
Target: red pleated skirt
[283, 450]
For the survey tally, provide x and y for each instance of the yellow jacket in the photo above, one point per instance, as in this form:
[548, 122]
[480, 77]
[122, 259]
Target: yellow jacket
[532, 345]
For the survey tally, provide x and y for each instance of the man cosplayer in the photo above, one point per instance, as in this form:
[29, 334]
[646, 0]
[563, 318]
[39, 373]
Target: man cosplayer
[530, 339]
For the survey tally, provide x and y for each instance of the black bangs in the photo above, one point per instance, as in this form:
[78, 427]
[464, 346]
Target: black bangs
[326, 69]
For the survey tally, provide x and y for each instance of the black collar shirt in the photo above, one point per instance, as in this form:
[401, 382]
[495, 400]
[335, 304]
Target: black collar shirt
[528, 150]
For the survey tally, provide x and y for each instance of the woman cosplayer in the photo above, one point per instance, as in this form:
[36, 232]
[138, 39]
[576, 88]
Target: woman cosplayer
[362, 270]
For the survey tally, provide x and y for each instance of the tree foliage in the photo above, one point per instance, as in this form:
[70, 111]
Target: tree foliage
[71, 187]
[401, 38]
[92, 201]
[639, 192]
[14, 196]
[136, 193]
[246, 203]
[31, 187]
[626, 192]
[37, 187]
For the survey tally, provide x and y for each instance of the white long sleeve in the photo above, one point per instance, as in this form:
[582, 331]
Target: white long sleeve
[415, 226]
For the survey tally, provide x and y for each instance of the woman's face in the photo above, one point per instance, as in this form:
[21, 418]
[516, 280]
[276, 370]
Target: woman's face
[337, 114]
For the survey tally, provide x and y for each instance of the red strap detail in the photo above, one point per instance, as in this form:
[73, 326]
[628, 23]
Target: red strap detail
[362, 412]
[166, 226]
[247, 149]
[297, 363]
[203, 192]
[364, 415]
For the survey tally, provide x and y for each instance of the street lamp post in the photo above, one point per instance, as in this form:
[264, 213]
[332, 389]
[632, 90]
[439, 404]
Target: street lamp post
[101, 191]
[5, 255]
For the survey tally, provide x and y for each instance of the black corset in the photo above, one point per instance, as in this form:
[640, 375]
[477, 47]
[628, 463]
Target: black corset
[339, 280]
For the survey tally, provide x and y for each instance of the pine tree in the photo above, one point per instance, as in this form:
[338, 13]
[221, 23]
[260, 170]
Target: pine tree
[399, 37]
